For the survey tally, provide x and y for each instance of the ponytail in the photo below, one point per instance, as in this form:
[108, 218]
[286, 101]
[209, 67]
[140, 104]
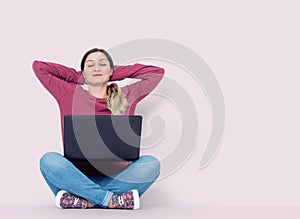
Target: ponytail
[116, 100]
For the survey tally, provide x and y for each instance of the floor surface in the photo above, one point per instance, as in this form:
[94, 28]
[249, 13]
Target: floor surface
[155, 212]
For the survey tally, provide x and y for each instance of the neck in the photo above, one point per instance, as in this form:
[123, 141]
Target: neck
[98, 91]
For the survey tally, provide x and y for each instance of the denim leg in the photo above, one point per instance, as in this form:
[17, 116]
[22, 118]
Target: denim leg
[139, 175]
[61, 174]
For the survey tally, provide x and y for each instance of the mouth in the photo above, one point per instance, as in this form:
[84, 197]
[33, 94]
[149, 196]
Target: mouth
[95, 75]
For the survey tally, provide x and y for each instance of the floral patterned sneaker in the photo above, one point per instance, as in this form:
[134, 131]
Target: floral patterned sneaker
[65, 199]
[128, 200]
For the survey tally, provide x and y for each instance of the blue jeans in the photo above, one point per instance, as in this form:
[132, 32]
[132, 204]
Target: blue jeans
[61, 174]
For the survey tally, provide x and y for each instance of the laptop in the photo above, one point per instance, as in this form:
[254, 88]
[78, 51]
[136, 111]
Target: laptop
[104, 138]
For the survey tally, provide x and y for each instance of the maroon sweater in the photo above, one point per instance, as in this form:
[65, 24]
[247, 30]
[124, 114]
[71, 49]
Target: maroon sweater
[64, 84]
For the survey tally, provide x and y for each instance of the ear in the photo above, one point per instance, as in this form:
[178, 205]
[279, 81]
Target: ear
[111, 72]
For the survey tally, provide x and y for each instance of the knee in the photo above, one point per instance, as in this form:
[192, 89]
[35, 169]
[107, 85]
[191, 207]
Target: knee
[152, 164]
[50, 161]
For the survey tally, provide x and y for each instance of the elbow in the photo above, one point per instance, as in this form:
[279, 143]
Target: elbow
[36, 65]
[39, 68]
[162, 71]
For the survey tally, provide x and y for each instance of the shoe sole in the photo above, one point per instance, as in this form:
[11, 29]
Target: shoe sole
[58, 197]
[136, 199]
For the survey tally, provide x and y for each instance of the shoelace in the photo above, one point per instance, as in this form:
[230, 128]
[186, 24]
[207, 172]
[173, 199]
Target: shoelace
[76, 201]
[121, 200]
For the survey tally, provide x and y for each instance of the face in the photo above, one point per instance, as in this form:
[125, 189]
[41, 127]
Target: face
[97, 69]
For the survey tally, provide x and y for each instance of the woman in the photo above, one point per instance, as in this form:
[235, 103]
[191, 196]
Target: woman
[73, 188]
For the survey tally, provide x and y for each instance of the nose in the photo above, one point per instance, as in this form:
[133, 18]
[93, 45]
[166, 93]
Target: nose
[96, 67]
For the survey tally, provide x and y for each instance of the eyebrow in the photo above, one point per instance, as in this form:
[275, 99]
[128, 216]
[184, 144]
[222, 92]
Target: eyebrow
[93, 60]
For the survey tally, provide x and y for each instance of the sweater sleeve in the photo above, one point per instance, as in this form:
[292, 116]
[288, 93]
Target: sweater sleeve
[150, 77]
[56, 78]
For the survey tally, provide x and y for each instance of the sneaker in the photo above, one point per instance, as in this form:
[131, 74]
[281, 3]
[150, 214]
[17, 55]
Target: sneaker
[128, 200]
[65, 199]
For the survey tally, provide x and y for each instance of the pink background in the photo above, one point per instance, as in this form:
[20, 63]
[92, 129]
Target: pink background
[251, 46]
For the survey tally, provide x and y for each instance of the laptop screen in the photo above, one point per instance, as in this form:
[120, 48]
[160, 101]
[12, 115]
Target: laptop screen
[102, 137]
